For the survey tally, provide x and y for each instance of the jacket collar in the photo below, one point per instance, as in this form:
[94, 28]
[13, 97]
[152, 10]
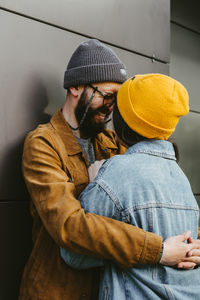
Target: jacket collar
[61, 126]
[160, 148]
[106, 141]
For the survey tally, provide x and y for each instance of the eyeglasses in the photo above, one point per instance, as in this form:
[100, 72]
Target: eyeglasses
[108, 100]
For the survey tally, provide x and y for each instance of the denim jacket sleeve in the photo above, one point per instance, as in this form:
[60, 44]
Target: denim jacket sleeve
[80, 261]
[95, 200]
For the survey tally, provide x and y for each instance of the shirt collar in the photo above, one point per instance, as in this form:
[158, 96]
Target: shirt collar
[159, 148]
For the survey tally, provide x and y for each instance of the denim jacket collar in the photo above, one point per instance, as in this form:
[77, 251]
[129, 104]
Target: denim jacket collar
[159, 148]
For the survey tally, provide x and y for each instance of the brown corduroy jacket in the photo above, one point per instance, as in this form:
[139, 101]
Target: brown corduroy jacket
[55, 172]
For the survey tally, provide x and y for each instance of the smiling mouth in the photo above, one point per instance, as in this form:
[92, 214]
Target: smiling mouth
[100, 116]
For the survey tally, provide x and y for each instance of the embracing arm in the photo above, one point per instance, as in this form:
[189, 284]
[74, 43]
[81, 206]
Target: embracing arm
[96, 200]
[53, 194]
[80, 261]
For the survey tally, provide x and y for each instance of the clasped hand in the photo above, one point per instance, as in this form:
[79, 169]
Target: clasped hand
[180, 254]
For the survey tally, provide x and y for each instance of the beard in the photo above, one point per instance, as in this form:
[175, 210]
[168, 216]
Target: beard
[90, 127]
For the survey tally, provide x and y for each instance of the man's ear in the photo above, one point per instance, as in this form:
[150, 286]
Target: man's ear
[76, 90]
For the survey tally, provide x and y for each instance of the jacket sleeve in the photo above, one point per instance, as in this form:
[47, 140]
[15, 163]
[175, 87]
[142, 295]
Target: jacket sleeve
[93, 199]
[80, 261]
[53, 195]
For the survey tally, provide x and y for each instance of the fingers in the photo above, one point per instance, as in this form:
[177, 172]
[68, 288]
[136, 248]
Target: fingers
[190, 240]
[190, 247]
[194, 252]
[179, 238]
[186, 265]
[185, 236]
[196, 242]
[175, 250]
[193, 249]
[192, 259]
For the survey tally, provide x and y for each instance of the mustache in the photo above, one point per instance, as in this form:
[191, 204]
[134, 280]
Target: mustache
[103, 109]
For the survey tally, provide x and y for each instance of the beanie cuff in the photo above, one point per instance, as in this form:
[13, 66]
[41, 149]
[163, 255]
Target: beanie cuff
[144, 128]
[148, 130]
[83, 75]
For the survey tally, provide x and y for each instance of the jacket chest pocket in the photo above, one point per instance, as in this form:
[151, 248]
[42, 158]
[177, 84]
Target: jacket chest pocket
[76, 170]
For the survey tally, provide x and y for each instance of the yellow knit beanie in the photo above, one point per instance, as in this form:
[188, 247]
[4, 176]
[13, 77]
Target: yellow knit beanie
[151, 104]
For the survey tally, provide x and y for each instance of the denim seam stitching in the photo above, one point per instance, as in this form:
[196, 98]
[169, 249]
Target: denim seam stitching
[111, 194]
[157, 205]
[154, 153]
[168, 292]
[103, 168]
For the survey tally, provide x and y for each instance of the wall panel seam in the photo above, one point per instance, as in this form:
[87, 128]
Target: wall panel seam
[185, 27]
[153, 58]
[14, 201]
[194, 111]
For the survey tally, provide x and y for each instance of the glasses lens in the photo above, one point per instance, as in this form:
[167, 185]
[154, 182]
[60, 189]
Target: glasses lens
[109, 100]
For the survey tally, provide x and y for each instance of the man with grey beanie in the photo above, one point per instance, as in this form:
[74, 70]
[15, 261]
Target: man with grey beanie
[55, 165]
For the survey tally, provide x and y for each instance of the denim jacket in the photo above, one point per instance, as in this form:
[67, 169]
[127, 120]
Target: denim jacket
[144, 187]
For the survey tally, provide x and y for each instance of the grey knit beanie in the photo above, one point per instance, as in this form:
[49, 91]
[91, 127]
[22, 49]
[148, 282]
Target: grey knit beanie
[94, 62]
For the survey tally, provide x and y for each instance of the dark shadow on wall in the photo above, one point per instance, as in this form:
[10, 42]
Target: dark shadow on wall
[15, 233]
[34, 103]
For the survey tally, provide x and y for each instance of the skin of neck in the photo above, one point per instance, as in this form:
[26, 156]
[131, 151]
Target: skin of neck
[69, 106]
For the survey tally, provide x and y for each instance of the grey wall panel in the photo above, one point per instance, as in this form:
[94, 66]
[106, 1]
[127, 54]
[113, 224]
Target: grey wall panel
[138, 25]
[186, 13]
[187, 136]
[139, 64]
[198, 199]
[33, 60]
[15, 237]
[30, 75]
[185, 61]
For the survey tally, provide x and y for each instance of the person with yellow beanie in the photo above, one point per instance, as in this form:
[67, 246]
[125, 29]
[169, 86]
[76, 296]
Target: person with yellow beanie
[145, 187]
[152, 104]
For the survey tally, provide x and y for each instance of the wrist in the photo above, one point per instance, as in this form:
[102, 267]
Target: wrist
[161, 253]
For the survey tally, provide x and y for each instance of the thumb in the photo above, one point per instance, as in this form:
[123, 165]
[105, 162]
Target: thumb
[184, 236]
